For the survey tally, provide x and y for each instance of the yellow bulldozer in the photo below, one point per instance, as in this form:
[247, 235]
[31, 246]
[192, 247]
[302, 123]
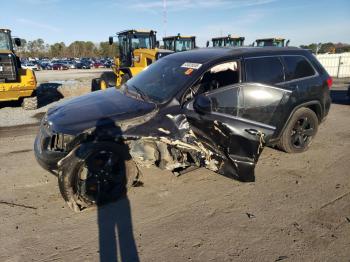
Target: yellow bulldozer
[179, 43]
[275, 41]
[224, 41]
[137, 50]
[16, 83]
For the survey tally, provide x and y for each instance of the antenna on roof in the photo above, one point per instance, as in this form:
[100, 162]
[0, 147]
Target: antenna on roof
[164, 16]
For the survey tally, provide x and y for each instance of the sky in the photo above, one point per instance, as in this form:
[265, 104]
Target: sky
[302, 22]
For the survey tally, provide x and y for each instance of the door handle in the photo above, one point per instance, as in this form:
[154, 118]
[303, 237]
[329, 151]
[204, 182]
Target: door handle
[251, 131]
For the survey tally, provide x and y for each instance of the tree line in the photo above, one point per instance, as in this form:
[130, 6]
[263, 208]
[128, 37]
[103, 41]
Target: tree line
[38, 48]
[332, 48]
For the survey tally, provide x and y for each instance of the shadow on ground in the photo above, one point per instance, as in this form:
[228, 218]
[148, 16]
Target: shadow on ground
[115, 230]
[47, 93]
[99, 171]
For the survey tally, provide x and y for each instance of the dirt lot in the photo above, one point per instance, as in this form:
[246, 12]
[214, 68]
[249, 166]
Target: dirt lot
[297, 210]
[52, 86]
[71, 74]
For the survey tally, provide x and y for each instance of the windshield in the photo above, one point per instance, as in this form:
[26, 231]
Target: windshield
[162, 79]
[279, 43]
[169, 44]
[234, 42]
[5, 41]
[265, 43]
[140, 41]
[183, 45]
[218, 42]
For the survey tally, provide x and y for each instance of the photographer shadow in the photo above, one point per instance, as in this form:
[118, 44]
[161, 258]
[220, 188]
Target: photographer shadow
[116, 238]
[115, 230]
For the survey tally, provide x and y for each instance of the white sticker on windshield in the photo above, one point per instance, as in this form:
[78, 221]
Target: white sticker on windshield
[191, 65]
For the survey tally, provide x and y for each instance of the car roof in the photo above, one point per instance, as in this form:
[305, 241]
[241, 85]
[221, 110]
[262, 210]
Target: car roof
[204, 55]
[178, 37]
[233, 37]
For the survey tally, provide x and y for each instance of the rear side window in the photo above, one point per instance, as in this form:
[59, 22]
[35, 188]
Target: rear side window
[260, 103]
[297, 67]
[266, 70]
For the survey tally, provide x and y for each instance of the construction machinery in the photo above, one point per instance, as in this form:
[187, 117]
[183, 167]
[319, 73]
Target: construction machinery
[16, 83]
[229, 40]
[137, 50]
[179, 43]
[276, 41]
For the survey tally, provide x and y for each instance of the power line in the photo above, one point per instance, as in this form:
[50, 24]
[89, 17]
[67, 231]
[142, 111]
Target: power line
[164, 17]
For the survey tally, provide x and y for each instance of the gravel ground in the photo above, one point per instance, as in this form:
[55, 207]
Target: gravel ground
[52, 86]
[66, 75]
[297, 210]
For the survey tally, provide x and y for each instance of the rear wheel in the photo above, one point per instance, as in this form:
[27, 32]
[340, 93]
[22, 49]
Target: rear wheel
[95, 84]
[97, 173]
[125, 78]
[30, 103]
[299, 132]
[108, 79]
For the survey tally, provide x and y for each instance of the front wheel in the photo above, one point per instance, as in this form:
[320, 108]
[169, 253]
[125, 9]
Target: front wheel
[95, 174]
[95, 84]
[125, 78]
[108, 79]
[299, 132]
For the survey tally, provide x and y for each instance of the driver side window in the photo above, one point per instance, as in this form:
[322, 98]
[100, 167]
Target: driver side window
[225, 101]
[220, 75]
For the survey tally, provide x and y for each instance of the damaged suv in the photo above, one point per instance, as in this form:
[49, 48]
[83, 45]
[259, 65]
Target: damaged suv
[213, 108]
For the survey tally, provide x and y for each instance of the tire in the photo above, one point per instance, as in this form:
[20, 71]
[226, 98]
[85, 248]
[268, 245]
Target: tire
[109, 78]
[30, 103]
[96, 174]
[125, 78]
[299, 132]
[95, 84]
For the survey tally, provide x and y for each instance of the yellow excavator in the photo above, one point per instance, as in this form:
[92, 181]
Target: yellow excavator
[226, 41]
[275, 41]
[16, 83]
[137, 50]
[179, 43]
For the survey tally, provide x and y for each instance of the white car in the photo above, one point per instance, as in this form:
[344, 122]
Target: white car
[69, 64]
[30, 66]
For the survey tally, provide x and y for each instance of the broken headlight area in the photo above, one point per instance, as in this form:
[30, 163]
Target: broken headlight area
[60, 142]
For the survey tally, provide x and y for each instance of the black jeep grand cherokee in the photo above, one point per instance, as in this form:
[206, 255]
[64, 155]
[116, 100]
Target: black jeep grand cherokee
[213, 108]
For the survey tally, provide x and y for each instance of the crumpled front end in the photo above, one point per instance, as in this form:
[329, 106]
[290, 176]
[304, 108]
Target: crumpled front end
[49, 147]
[174, 152]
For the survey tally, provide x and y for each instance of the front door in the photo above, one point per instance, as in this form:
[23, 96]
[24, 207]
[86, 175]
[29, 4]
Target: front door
[238, 122]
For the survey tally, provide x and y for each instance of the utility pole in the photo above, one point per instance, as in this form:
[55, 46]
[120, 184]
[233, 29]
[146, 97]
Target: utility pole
[164, 17]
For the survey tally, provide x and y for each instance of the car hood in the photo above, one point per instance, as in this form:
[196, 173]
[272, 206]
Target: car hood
[94, 109]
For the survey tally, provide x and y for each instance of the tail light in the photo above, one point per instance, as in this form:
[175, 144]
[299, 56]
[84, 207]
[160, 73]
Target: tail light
[329, 82]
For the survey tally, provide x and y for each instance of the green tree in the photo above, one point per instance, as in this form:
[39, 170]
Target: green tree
[107, 50]
[328, 48]
[57, 50]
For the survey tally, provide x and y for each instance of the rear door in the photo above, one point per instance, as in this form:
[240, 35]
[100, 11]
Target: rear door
[241, 120]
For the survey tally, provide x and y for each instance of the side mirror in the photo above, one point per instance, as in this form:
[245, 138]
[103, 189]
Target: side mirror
[207, 43]
[110, 40]
[18, 41]
[202, 104]
[287, 44]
